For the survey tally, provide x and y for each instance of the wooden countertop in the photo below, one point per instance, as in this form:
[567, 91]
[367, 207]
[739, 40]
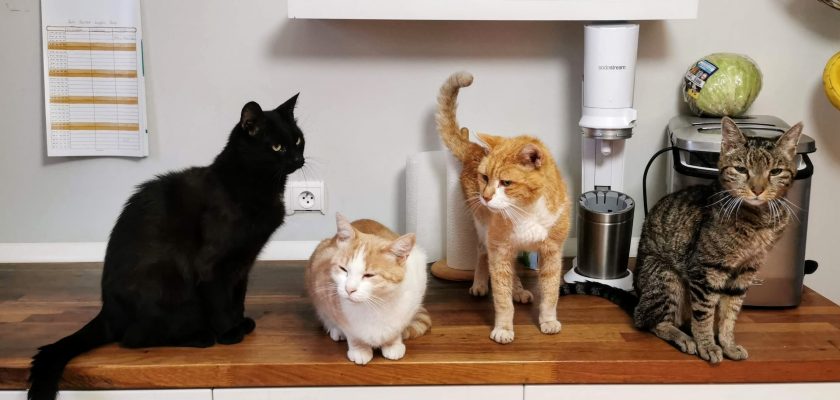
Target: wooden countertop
[40, 303]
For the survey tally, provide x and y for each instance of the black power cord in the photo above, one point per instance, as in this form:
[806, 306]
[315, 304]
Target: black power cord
[644, 176]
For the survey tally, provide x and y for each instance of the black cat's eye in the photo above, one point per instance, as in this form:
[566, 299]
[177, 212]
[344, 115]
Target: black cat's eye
[278, 147]
[298, 142]
[742, 170]
[486, 179]
[506, 183]
[368, 275]
[775, 171]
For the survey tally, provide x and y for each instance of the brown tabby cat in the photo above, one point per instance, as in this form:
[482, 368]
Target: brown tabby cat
[519, 203]
[701, 247]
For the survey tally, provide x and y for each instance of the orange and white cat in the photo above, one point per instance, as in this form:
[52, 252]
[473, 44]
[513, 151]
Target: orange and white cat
[367, 284]
[519, 203]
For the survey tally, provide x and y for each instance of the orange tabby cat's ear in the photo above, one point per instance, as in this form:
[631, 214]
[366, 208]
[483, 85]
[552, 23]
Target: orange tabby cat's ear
[531, 156]
[345, 232]
[489, 141]
[403, 246]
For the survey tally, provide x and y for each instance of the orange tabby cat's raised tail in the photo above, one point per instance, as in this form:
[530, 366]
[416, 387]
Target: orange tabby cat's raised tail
[456, 138]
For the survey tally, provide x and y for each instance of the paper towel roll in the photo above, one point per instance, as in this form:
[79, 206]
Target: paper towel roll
[425, 177]
[461, 239]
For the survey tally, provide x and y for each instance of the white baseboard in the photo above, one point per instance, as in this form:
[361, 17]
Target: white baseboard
[95, 251]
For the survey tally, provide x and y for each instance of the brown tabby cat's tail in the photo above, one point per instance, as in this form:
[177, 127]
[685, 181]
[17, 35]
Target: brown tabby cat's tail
[419, 325]
[455, 137]
[624, 299]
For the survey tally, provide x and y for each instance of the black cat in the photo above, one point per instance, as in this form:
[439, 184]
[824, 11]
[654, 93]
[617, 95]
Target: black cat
[177, 263]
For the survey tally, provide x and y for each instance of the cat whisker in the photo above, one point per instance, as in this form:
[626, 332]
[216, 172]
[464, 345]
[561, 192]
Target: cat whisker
[721, 193]
[790, 211]
[728, 196]
[784, 199]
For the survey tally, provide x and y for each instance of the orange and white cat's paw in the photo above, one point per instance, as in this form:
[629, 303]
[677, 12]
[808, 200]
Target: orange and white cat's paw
[479, 289]
[550, 327]
[710, 352]
[502, 335]
[394, 351]
[523, 296]
[360, 355]
[735, 352]
[335, 334]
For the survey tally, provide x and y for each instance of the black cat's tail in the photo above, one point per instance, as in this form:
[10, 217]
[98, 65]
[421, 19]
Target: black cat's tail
[48, 364]
[624, 299]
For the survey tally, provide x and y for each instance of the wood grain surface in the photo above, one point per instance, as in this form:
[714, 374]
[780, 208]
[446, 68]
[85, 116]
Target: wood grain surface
[40, 303]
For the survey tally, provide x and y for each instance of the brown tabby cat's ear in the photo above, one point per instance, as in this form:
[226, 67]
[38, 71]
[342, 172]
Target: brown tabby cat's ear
[788, 141]
[403, 246]
[489, 141]
[345, 232]
[733, 138]
[251, 113]
[531, 156]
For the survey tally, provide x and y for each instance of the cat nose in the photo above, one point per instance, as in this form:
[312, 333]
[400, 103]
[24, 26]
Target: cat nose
[486, 197]
[350, 289]
[758, 190]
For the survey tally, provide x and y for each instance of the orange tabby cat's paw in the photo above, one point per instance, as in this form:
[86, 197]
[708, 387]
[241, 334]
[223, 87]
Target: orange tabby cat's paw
[550, 327]
[502, 335]
[479, 289]
[335, 334]
[523, 296]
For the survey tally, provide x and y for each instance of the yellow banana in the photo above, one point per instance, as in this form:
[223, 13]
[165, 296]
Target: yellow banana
[831, 80]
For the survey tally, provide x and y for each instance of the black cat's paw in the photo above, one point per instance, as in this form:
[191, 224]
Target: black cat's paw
[202, 340]
[232, 336]
[247, 325]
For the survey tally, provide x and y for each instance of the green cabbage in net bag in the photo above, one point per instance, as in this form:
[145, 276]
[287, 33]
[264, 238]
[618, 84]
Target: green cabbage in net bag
[722, 84]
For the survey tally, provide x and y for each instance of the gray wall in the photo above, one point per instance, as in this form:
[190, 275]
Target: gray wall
[367, 99]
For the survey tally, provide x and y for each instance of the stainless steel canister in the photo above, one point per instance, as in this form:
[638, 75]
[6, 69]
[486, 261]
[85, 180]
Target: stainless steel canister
[605, 227]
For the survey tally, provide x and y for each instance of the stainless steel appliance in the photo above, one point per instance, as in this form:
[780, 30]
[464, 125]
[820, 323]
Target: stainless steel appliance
[696, 143]
[604, 230]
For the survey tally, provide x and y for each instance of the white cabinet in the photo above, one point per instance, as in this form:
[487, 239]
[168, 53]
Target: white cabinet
[507, 392]
[502, 10]
[190, 394]
[798, 391]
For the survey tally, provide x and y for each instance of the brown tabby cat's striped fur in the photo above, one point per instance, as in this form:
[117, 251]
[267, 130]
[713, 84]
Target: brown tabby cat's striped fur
[518, 200]
[701, 247]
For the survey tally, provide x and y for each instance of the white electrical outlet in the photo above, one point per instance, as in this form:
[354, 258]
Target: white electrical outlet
[305, 196]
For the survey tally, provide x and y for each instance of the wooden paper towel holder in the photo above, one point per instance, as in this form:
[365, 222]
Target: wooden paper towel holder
[442, 270]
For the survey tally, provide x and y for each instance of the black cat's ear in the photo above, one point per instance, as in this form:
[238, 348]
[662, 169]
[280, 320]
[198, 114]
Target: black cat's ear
[733, 138]
[788, 141]
[402, 246]
[345, 232]
[531, 156]
[251, 113]
[288, 108]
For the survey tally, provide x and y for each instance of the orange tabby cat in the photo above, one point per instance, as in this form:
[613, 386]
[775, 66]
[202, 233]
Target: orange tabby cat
[518, 201]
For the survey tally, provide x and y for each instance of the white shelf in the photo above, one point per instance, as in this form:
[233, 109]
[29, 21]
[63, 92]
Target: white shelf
[495, 10]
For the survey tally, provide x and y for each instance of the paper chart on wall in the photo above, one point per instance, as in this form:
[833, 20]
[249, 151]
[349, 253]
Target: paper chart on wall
[94, 90]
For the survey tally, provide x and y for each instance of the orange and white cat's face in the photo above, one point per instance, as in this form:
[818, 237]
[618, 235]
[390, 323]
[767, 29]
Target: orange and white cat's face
[367, 268]
[511, 176]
